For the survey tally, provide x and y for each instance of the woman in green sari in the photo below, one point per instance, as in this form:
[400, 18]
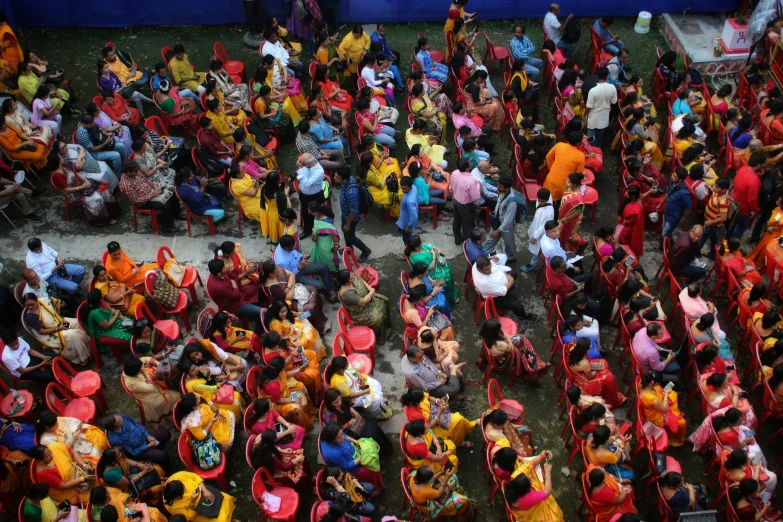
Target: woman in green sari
[39, 507]
[106, 322]
[325, 235]
[440, 494]
[364, 306]
[418, 252]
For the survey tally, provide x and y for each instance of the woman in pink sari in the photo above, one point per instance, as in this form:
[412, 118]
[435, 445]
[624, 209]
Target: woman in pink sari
[416, 314]
[571, 210]
[630, 217]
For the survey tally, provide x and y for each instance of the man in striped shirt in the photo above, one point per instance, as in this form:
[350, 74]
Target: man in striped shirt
[715, 215]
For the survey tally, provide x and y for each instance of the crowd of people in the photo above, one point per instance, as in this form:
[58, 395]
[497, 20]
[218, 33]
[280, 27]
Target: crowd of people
[260, 360]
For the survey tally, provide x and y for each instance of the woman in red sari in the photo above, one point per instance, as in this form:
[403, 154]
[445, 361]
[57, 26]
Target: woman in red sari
[608, 496]
[571, 211]
[592, 375]
[733, 259]
[631, 217]
[338, 98]
[305, 365]
[117, 108]
[231, 254]
[651, 183]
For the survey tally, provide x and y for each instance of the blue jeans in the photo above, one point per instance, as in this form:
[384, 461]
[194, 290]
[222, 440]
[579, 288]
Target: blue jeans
[668, 230]
[567, 48]
[406, 236]
[325, 284]
[386, 137]
[250, 311]
[740, 225]
[693, 273]
[293, 66]
[144, 81]
[614, 48]
[225, 161]
[187, 93]
[216, 213]
[714, 235]
[397, 78]
[69, 286]
[533, 67]
[598, 136]
[366, 507]
[114, 157]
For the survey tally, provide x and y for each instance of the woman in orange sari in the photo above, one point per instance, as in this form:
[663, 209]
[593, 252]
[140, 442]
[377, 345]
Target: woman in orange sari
[20, 149]
[125, 270]
[433, 174]
[608, 496]
[592, 376]
[571, 210]
[631, 216]
[773, 232]
[288, 395]
[338, 98]
[662, 410]
[11, 51]
[774, 403]
[305, 365]
[733, 259]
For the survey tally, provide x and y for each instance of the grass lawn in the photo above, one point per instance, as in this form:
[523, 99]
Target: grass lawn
[78, 50]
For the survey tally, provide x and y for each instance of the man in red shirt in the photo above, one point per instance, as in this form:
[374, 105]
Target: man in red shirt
[569, 289]
[230, 296]
[747, 184]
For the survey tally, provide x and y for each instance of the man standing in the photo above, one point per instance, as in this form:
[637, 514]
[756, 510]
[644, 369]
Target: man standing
[612, 43]
[350, 211]
[273, 46]
[465, 192]
[599, 105]
[254, 12]
[684, 251]
[492, 280]
[747, 184]
[99, 146]
[678, 203]
[544, 213]
[147, 196]
[25, 363]
[554, 29]
[565, 158]
[715, 215]
[409, 209]
[311, 180]
[292, 260]
[505, 219]
[50, 267]
[522, 49]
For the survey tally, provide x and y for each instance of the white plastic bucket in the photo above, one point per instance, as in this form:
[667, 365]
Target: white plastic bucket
[643, 23]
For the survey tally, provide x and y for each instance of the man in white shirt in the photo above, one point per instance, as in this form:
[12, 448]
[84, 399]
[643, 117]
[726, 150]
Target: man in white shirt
[679, 122]
[24, 362]
[50, 267]
[310, 174]
[35, 285]
[554, 29]
[550, 247]
[489, 192]
[599, 105]
[273, 46]
[492, 280]
[544, 212]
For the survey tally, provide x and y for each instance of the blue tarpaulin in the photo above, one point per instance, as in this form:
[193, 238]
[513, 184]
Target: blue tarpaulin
[127, 13]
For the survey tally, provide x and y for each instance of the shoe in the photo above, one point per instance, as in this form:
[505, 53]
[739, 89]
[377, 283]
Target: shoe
[37, 193]
[181, 217]
[35, 218]
[458, 405]
[169, 230]
[531, 317]
[527, 268]
[511, 260]
[364, 256]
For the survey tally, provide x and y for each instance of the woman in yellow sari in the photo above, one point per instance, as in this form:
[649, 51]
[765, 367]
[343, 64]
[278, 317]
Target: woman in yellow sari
[116, 295]
[422, 108]
[50, 329]
[184, 490]
[84, 439]
[377, 182]
[218, 362]
[283, 83]
[228, 337]
[365, 392]
[610, 453]
[388, 164]
[196, 383]
[440, 495]
[103, 497]
[247, 192]
[288, 395]
[662, 411]
[68, 475]
[435, 412]
[773, 232]
[529, 497]
[263, 157]
[299, 332]
[274, 99]
[609, 496]
[415, 136]
[637, 85]
[421, 447]
[201, 419]
[637, 129]
[39, 507]
[11, 51]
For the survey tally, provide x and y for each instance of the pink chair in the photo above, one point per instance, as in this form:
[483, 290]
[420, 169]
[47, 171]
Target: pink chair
[63, 403]
[218, 473]
[289, 504]
[361, 338]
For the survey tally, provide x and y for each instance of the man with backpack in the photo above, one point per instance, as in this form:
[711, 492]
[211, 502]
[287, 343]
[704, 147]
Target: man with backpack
[716, 215]
[557, 31]
[355, 201]
[504, 219]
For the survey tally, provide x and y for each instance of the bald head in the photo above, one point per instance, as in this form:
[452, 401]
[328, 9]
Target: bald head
[484, 166]
[307, 159]
[755, 145]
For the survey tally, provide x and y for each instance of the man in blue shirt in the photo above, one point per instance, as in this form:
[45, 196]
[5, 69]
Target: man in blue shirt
[522, 49]
[349, 209]
[292, 260]
[677, 201]
[612, 44]
[136, 441]
[162, 73]
[409, 209]
[474, 248]
[383, 50]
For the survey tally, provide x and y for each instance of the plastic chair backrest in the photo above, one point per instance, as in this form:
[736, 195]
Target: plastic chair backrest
[341, 346]
[249, 450]
[63, 372]
[344, 322]
[252, 380]
[57, 397]
[494, 393]
[142, 417]
[203, 317]
[220, 52]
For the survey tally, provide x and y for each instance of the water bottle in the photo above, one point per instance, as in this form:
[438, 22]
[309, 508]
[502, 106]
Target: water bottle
[18, 399]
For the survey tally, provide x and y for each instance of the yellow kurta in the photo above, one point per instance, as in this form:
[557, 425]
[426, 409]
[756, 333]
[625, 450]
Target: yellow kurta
[251, 205]
[224, 129]
[354, 48]
[380, 193]
[122, 71]
[425, 105]
[393, 167]
[288, 107]
[135, 301]
[182, 69]
[301, 333]
[459, 428]
[181, 506]
[202, 389]
[237, 118]
[434, 152]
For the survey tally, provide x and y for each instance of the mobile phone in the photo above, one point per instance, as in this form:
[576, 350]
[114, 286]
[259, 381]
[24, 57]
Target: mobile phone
[439, 282]
[669, 387]
[523, 429]
[127, 322]
[750, 433]
[493, 253]
[765, 497]
[294, 396]
[624, 428]
[730, 368]
[629, 260]
[756, 459]
[65, 505]
[240, 333]
[136, 515]
[304, 315]
[579, 207]
[448, 466]
[306, 258]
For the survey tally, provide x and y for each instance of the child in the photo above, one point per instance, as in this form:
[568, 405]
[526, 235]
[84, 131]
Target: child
[544, 213]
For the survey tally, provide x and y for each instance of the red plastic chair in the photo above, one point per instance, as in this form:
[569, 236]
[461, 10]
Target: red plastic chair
[218, 473]
[155, 123]
[150, 212]
[361, 338]
[142, 415]
[414, 510]
[342, 346]
[60, 401]
[235, 68]
[191, 273]
[494, 52]
[289, 504]
[85, 384]
[251, 382]
[509, 326]
[352, 265]
[181, 307]
[189, 215]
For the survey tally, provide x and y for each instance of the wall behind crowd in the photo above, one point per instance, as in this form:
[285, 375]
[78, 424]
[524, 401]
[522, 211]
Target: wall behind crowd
[126, 13]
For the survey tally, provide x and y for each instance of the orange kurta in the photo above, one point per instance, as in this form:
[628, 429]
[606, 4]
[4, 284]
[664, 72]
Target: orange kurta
[13, 54]
[10, 140]
[562, 160]
[121, 270]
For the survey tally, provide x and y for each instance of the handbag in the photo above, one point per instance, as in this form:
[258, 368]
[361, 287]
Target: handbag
[206, 452]
[174, 271]
[224, 395]
[210, 509]
[336, 119]
[445, 418]
[279, 428]
[532, 93]
[165, 293]
[369, 454]
[116, 297]
[144, 482]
